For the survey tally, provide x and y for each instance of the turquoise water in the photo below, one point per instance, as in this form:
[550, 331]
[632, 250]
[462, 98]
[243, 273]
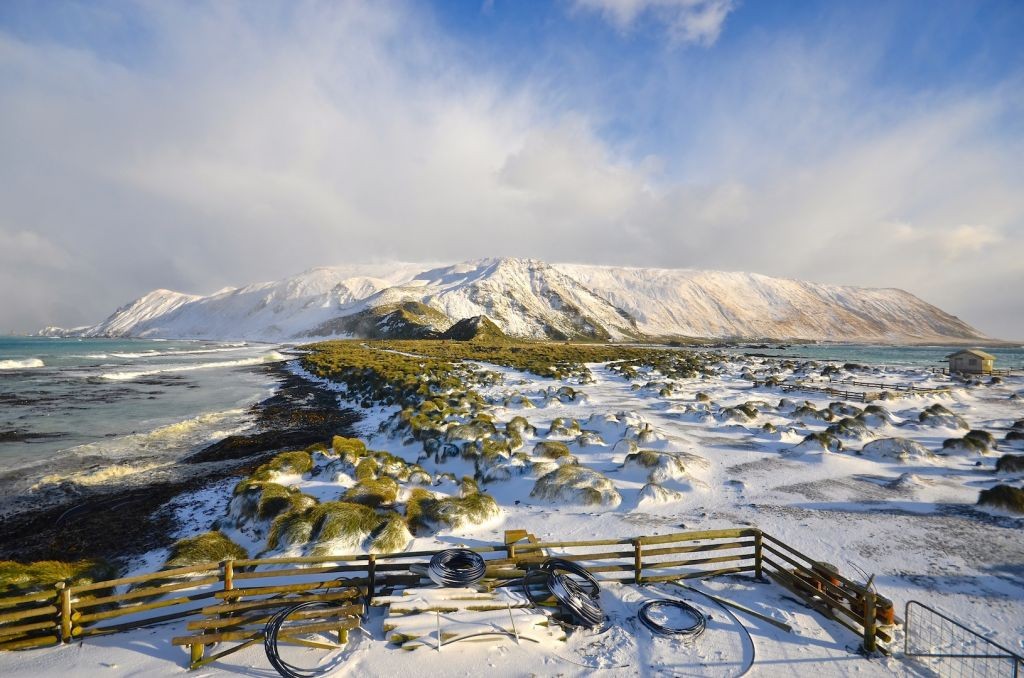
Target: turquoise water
[73, 404]
[921, 356]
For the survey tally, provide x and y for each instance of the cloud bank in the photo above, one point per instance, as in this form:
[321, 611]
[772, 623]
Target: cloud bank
[238, 142]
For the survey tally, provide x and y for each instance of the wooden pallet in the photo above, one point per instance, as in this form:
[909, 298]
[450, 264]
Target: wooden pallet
[434, 617]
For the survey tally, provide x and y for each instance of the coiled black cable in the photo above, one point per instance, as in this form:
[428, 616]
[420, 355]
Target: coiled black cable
[557, 565]
[700, 621]
[270, 633]
[456, 567]
[579, 597]
[585, 609]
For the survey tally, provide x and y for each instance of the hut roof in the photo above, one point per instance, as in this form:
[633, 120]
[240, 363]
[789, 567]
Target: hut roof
[973, 351]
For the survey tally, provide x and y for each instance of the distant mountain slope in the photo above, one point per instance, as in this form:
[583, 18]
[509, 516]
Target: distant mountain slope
[531, 298]
[724, 304]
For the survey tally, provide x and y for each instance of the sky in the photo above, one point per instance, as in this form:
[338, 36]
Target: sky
[196, 145]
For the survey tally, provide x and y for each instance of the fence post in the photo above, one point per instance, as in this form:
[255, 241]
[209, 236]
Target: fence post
[64, 595]
[637, 560]
[229, 574]
[758, 555]
[869, 622]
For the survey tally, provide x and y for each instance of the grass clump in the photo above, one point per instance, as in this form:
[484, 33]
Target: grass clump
[551, 449]
[373, 492]
[332, 525]
[391, 535]
[43, 574]
[348, 448]
[286, 463]
[1004, 497]
[424, 509]
[577, 484]
[1010, 463]
[209, 547]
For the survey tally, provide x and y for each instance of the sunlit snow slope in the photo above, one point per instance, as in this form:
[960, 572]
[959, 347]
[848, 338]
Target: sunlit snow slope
[530, 298]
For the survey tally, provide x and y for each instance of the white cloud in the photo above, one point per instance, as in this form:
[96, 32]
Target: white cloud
[697, 22]
[354, 132]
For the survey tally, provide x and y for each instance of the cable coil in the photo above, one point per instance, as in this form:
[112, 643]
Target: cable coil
[692, 631]
[456, 567]
[579, 597]
[270, 633]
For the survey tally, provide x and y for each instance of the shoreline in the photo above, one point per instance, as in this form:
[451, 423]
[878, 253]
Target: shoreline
[92, 523]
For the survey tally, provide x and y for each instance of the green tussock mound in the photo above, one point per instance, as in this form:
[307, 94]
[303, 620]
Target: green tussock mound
[209, 547]
[1003, 497]
[1010, 463]
[578, 485]
[286, 463]
[265, 500]
[391, 535]
[367, 468]
[425, 509]
[373, 492]
[43, 574]
[340, 524]
[353, 447]
[551, 449]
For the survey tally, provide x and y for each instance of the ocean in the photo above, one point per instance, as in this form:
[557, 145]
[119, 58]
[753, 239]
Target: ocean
[70, 407]
[910, 356]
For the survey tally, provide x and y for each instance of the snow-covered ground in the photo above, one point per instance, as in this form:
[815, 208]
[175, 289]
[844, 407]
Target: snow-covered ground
[905, 514]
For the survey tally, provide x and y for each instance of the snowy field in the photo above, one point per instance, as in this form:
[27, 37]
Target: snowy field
[879, 495]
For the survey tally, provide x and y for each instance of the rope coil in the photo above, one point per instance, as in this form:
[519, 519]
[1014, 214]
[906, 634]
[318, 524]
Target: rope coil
[456, 567]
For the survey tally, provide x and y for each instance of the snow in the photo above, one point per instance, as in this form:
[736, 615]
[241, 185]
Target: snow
[531, 298]
[911, 523]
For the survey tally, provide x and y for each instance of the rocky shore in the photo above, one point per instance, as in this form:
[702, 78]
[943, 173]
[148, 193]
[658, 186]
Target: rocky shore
[115, 520]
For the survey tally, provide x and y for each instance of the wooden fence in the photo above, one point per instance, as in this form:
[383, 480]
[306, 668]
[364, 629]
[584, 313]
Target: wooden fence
[69, 613]
[845, 394]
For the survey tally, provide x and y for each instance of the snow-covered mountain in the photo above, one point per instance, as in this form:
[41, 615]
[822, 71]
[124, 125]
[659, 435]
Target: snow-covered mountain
[531, 298]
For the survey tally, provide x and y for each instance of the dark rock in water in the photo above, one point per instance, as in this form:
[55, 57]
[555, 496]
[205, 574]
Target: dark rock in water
[19, 436]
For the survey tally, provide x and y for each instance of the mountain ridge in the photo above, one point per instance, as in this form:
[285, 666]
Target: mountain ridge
[530, 298]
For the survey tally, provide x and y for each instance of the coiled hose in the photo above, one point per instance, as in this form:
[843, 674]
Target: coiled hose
[456, 567]
[700, 621]
[270, 632]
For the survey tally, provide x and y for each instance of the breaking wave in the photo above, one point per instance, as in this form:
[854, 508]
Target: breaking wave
[271, 357]
[27, 363]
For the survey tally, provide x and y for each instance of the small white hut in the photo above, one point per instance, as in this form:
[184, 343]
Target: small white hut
[971, 361]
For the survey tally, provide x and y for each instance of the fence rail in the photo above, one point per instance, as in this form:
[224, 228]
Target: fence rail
[951, 649]
[69, 613]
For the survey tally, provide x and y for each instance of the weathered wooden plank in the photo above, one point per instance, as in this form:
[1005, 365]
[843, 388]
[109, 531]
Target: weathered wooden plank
[334, 625]
[144, 593]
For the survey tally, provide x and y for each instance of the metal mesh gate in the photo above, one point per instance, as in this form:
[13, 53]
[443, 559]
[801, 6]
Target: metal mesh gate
[951, 649]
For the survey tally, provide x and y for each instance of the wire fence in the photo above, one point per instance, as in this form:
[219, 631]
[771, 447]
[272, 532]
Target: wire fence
[949, 648]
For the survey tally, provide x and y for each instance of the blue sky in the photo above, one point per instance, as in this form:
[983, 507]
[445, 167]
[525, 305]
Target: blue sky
[194, 145]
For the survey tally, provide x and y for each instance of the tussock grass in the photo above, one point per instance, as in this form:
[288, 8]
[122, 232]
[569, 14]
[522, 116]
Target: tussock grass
[551, 449]
[1004, 497]
[373, 492]
[1010, 463]
[576, 484]
[43, 574]
[209, 547]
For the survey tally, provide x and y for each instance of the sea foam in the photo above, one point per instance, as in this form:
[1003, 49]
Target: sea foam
[271, 357]
[27, 363]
